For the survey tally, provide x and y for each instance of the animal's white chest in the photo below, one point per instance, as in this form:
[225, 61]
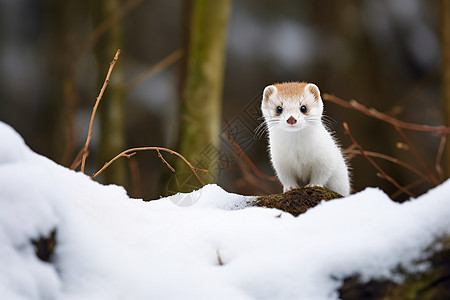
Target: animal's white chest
[294, 153]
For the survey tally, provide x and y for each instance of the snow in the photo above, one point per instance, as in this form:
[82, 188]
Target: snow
[109, 246]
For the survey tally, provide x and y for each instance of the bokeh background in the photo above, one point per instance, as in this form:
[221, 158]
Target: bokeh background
[385, 54]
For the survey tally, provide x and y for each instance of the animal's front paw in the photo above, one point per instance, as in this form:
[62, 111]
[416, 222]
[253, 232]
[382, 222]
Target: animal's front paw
[311, 185]
[289, 188]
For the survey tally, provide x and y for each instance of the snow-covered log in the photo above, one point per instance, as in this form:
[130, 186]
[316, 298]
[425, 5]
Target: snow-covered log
[208, 244]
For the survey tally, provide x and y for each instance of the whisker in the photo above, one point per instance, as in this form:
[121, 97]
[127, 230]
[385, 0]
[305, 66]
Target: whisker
[329, 122]
[260, 130]
[264, 127]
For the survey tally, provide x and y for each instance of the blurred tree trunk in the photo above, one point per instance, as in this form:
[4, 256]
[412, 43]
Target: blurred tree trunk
[64, 21]
[445, 25]
[111, 108]
[201, 93]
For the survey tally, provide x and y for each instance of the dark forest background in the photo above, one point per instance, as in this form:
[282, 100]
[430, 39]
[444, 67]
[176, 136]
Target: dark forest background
[385, 54]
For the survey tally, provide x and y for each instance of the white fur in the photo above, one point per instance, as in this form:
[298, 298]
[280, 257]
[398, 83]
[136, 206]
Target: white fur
[303, 153]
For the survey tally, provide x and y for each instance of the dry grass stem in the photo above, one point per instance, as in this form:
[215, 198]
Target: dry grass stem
[379, 169]
[83, 154]
[134, 150]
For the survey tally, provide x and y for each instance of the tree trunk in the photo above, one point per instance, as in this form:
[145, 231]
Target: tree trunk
[111, 108]
[445, 31]
[63, 25]
[201, 93]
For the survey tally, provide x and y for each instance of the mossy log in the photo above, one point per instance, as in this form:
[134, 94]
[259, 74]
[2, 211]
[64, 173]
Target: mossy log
[431, 284]
[44, 246]
[296, 201]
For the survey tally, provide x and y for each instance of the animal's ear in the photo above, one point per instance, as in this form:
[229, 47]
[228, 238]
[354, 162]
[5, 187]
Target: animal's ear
[269, 90]
[313, 90]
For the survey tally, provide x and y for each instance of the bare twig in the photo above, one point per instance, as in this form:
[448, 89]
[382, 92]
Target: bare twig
[83, 154]
[349, 153]
[247, 159]
[172, 58]
[251, 174]
[219, 259]
[419, 158]
[164, 161]
[391, 159]
[408, 187]
[133, 150]
[106, 24]
[249, 162]
[437, 163]
[136, 187]
[382, 173]
[371, 112]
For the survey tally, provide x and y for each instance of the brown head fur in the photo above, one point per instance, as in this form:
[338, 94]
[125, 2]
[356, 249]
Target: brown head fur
[290, 89]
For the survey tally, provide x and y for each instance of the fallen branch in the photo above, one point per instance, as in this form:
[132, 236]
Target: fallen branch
[379, 169]
[83, 154]
[133, 151]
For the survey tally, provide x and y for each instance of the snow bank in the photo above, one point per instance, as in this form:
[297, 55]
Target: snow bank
[112, 247]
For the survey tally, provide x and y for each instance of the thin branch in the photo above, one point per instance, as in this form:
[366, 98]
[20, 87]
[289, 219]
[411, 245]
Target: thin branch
[382, 173]
[166, 62]
[136, 187]
[106, 24]
[371, 112]
[219, 259]
[419, 158]
[83, 154]
[349, 153]
[408, 187]
[251, 174]
[249, 162]
[440, 152]
[391, 159]
[164, 161]
[245, 157]
[125, 153]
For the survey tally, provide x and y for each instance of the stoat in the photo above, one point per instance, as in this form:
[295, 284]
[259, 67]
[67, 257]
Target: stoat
[302, 151]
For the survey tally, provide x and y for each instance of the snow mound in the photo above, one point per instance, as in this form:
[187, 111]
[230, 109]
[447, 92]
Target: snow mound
[109, 246]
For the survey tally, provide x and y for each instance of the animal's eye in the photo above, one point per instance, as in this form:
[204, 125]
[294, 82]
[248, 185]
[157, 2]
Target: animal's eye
[279, 109]
[303, 109]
